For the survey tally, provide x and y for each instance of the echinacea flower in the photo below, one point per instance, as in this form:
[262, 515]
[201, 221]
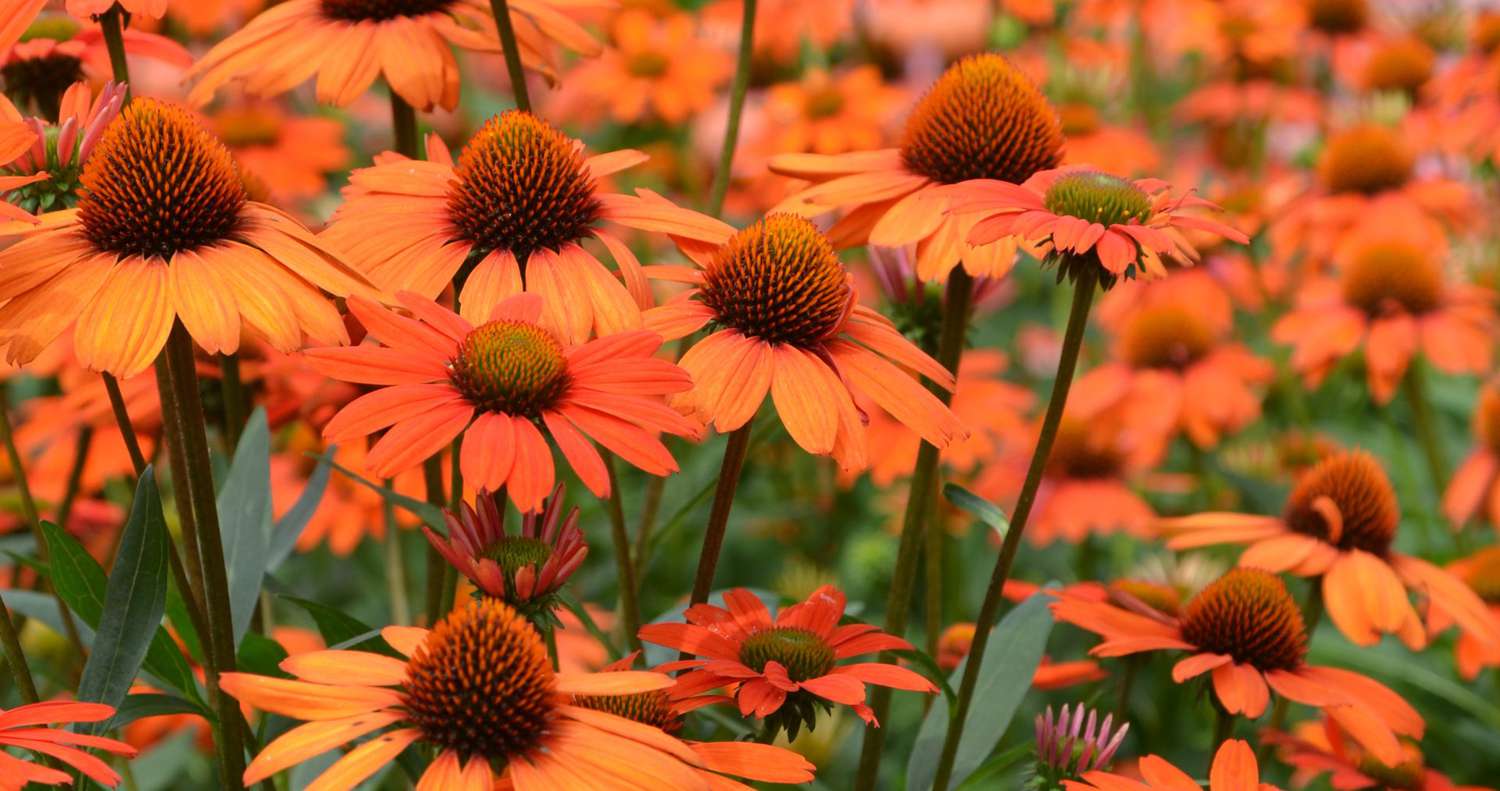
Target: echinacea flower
[1246, 629]
[1338, 526]
[1234, 769]
[1080, 218]
[46, 175]
[24, 727]
[1389, 295]
[149, 9]
[1067, 745]
[346, 44]
[781, 670]
[164, 233]
[522, 570]
[1481, 572]
[506, 384]
[292, 155]
[1314, 749]
[477, 688]
[982, 119]
[788, 323]
[57, 51]
[1473, 491]
[665, 708]
[516, 206]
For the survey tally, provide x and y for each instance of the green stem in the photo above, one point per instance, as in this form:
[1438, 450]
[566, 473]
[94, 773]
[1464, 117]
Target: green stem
[81, 447]
[932, 557]
[630, 608]
[1127, 681]
[122, 419]
[14, 657]
[1223, 729]
[718, 515]
[1414, 384]
[233, 392]
[501, 11]
[432, 474]
[1083, 296]
[720, 187]
[193, 488]
[404, 126]
[650, 509]
[113, 28]
[550, 635]
[395, 569]
[924, 480]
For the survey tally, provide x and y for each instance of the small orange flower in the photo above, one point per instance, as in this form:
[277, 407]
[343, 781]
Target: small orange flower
[1247, 630]
[779, 670]
[158, 239]
[1473, 491]
[22, 727]
[829, 113]
[1234, 769]
[789, 325]
[1338, 526]
[499, 385]
[519, 201]
[983, 119]
[1313, 749]
[291, 155]
[477, 688]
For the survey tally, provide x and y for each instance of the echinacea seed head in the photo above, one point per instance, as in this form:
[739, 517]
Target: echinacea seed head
[1097, 197]
[511, 367]
[1352, 483]
[1392, 273]
[1337, 17]
[513, 553]
[1249, 615]
[1166, 335]
[380, 10]
[804, 655]
[652, 708]
[778, 281]
[1366, 159]
[1080, 452]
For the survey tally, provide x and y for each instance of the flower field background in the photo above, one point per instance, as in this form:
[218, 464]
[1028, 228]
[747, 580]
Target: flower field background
[1089, 395]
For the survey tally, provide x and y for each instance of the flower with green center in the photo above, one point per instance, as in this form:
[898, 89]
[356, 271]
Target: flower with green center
[784, 670]
[46, 176]
[1084, 219]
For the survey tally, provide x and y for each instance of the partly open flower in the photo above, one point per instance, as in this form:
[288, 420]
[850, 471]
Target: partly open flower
[1390, 297]
[1083, 218]
[1313, 749]
[1247, 630]
[1066, 748]
[510, 215]
[783, 670]
[347, 44]
[523, 570]
[24, 727]
[787, 321]
[505, 385]
[1339, 525]
[292, 155]
[56, 51]
[1474, 491]
[46, 174]
[479, 690]
[1234, 769]
[164, 232]
[983, 119]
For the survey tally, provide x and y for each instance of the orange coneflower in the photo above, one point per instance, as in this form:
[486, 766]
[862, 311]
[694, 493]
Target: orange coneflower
[1473, 491]
[151, 9]
[1481, 572]
[789, 324]
[1175, 357]
[23, 727]
[1079, 217]
[1234, 769]
[1114, 148]
[983, 119]
[479, 689]
[58, 51]
[517, 205]
[1391, 297]
[783, 27]
[291, 155]
[1313, 749]
[1247, 630]
[502, 383]
[164, 232]
[348, 43]
[781, 670]
[350, 510]
[1339, 525]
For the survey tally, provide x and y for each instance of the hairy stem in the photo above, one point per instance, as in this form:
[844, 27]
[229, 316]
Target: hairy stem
[720, 187]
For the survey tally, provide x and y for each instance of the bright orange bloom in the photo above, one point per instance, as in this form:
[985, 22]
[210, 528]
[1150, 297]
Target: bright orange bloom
[23, 727]
[1174, 355]
[519, 202]
[983, 119]
[158, 239]
[657, 69]
[350, 511]
[789, 323]
[1080, 217]
[1313, 749]
[784, 27]
[500, 385]
[479, 689]
[152, 9]
[1112, 148]
[1474, 491]
[829, 114]
[1234, 769]
[60, 51]
[524, 569]
[349, 43]
[1481, 572]
[1339, 525]
[780, 669]
[204, 18]
[1247, 630]
[291, 155]
[1390, 297]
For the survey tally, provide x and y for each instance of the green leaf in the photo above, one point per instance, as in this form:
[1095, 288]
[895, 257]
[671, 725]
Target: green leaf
[1015, 650]
[81, 583]
[997, 770]
[981, 509]
[340, 628]
[260, 655]
[427, 512]
[291, 524]
[152, 704]
[245, 519]
[928, 667]
[135, 597]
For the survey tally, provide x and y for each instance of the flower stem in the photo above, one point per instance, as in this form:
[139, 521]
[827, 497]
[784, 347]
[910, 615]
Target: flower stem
[432, 474]
[919, 502]
[1223, 728]
[81, 446]
[233, 392]
[395, 567]
[193, 487]
[122, 419]
[14, 657]
[1083, 296]
[501, 10]
[1415, 386]
[404, 126]
[630, 608]
[718, 515]
[114, 42]
[720, 187]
